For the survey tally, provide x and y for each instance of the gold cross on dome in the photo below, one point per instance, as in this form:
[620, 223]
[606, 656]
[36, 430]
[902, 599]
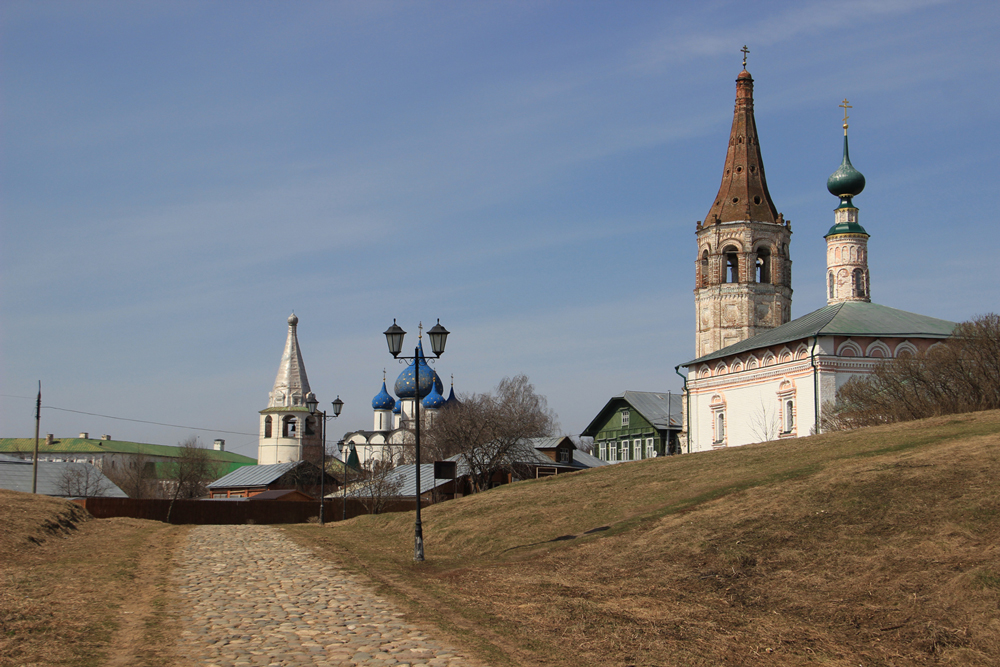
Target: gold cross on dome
[745, 51]
[421, 328]
[845, 106]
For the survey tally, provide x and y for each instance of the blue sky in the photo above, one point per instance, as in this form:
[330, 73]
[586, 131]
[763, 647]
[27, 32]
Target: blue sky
[178, 177]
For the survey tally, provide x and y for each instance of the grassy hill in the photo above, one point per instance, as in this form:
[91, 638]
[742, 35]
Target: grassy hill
[80, 591]
[874, 547]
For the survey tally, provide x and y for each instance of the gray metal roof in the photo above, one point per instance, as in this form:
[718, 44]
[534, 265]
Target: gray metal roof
[850, 318]
[585, 460]
[15, 475]
[254, 475]
[407, 474]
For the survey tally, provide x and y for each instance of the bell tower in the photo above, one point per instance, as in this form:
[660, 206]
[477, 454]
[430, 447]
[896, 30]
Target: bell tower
[743, 274]
[287, 431]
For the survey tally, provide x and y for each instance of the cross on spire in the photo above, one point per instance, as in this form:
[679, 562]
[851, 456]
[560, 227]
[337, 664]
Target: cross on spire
[745, 51]
[421, 330]
[845, 106]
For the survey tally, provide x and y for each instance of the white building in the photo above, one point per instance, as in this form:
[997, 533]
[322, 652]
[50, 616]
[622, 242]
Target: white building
[287, 431]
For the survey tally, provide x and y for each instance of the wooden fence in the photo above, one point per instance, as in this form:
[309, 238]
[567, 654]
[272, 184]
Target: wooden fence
[228, 512]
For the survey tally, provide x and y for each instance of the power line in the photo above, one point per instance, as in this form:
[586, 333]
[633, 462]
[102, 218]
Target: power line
[143, 421]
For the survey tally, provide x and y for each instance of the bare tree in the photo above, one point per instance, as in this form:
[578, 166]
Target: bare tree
[193, 471]
[82, 480]
[764, 423]
[491, 431]
[961, 375]
[135, 476]
[378, 485]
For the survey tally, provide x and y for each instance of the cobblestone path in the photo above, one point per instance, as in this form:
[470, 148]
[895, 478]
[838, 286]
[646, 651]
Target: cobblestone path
[251, 596]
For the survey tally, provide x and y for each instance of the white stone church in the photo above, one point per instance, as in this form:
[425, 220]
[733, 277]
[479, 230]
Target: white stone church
[758, 375]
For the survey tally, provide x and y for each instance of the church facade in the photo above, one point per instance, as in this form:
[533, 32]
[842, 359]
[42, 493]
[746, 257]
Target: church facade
[759, 376]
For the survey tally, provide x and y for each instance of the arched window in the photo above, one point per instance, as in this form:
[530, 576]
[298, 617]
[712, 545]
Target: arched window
[731, 267]
[789, 416]
[267, 426]
[720, 427]
[829, 279]
[310, 426]
[763, 265]
[704, 269]
[858, 280]
[289, 426]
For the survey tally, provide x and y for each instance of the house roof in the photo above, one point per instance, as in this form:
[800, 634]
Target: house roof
[254, 475]
[16, 475]
[850, 318]
[96, 445]
[407, 474]
[276, 494]
[662, 409]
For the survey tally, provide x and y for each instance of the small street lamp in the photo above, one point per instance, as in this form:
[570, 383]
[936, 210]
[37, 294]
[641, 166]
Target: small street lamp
[394, 338]
[338, 405]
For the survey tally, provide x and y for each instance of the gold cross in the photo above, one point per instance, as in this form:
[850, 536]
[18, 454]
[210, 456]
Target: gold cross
[845, 106]
[745, 51]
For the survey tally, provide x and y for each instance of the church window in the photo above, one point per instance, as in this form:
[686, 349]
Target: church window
[789, 416]
[763, 265]
[704, 269]
[624, 450]
[625, 418]
[859, 282]
[267, 426]
[650, 448]
[289, 425]
[720, 427]
[830, 281]
[731, 267]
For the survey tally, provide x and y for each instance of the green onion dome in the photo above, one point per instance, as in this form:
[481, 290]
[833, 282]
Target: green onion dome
[847, 181]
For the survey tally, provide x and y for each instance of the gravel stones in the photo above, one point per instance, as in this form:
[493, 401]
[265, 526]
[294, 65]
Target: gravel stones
[253, 597]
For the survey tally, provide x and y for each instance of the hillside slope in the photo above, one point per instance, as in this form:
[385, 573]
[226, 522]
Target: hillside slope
[871, 547]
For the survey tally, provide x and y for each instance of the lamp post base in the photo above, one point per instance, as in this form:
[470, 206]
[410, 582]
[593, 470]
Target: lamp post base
[418, 543]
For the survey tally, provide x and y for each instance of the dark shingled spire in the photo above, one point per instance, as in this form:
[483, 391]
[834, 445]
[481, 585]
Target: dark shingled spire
[743, 194]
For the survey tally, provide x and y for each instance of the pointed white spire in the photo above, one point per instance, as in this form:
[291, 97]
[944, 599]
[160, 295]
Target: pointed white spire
[291, 387]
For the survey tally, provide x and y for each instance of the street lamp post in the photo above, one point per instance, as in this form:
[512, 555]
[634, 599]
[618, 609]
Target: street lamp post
[394, 338]
[338, 405]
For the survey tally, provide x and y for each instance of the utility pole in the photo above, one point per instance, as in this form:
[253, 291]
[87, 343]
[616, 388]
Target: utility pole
[34, 458]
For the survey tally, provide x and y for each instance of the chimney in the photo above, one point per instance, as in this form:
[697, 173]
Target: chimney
[105, 437]
[49, 438]
[219, 445]
[85, 436]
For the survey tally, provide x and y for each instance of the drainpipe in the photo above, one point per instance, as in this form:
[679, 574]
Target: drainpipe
[687, 398]
[812, 361]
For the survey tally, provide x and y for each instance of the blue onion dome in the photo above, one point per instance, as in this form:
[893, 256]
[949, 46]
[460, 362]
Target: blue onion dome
[429, 379]
[434, 399]
[383, 401]
[847, 181]
[452, 399]
[398, 408]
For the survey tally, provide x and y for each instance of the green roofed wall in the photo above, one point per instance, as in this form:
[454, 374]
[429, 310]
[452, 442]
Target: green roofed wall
[163, 455]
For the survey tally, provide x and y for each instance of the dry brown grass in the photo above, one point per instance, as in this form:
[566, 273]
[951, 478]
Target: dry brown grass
[80, 591]
[874, 547]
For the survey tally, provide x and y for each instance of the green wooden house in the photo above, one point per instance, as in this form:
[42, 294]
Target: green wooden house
[637, 425]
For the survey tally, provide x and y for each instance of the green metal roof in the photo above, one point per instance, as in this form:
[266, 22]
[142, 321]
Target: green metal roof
[96, 446]
[850, 318]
